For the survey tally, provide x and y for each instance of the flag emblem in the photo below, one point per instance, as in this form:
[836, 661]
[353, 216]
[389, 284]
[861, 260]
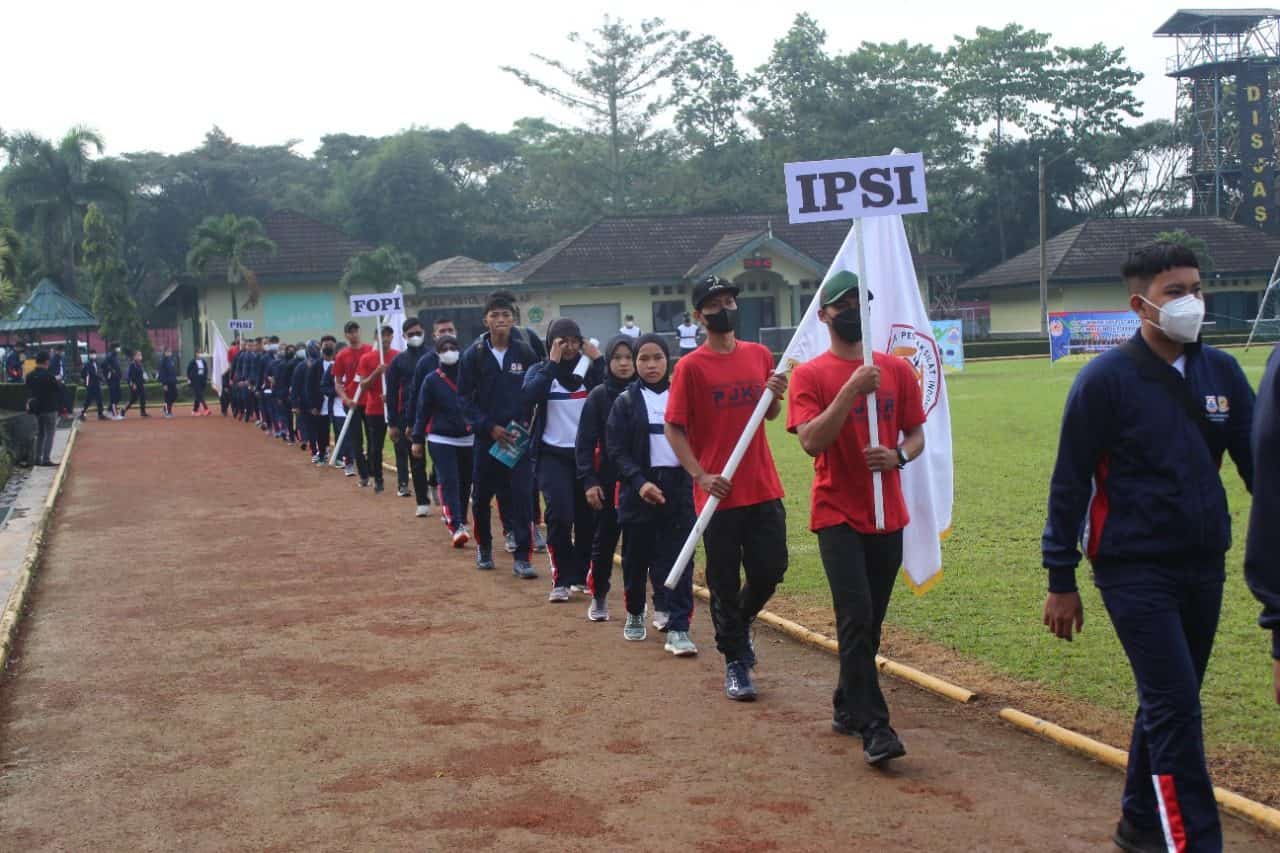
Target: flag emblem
[1211, 404]
[920, 350]
[1224, 405]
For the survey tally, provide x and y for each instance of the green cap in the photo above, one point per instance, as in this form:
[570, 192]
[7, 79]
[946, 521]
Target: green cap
[838, 286]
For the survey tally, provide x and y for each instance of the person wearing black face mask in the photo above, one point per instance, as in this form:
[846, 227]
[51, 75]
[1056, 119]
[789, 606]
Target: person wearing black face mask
[320, 396]
[829, 414]
[400, 395]
[713, 393]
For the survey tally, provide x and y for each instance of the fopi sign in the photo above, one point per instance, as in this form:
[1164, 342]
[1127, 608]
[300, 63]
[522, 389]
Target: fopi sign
[376, 304]
[240, 325]
[855, 187]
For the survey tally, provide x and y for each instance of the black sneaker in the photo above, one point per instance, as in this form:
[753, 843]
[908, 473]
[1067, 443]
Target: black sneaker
[484, 558]
[737, 682]
[1135, 839]
[842, 725]
[378, 486]
[881, 744]
[523, 570]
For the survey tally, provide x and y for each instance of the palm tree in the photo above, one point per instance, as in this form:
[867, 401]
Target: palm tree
[10, 249]
[51, 188]
[230, 239]
[379, 271]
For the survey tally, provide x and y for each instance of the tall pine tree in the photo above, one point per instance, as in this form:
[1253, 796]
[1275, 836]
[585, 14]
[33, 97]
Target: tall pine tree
[117, 313]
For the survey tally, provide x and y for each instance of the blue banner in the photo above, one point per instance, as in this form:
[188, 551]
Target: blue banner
[1076, 332]
[949, 336]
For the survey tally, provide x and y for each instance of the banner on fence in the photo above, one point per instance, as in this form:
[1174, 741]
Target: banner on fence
[950, 337]
[1078, 332]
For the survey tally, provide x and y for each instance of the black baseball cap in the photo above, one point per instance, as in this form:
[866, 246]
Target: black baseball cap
[711, 286]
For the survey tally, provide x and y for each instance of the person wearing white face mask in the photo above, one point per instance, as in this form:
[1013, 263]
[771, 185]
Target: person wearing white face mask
[1137, 483]
[440, 428]
[400, 394]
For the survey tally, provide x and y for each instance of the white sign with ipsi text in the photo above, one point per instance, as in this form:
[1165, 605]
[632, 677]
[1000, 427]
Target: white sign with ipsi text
[855, 188]
[376, 304]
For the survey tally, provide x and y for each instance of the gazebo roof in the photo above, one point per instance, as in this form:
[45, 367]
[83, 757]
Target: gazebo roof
[49, 308]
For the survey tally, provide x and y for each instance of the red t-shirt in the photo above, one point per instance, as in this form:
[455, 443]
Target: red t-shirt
[712, 397]
[842, 491]
[344, 369]
[372, 400]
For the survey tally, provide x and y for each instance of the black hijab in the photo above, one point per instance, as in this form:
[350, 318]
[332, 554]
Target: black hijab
[615, 385]
[661, 343]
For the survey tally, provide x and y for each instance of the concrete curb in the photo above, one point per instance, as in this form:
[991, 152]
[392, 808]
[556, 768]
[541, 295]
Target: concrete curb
[31, 559]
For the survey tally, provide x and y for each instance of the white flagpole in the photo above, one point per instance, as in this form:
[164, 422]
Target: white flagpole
[346, 425]
[868, 357]
[730, 468]
[382, 361]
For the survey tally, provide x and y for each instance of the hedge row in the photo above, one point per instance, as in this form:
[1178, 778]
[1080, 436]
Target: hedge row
[13, 395]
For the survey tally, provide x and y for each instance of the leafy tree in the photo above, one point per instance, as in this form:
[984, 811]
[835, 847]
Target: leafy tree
[378, 271]
[51, 187]
[10, 253]
[614, 87]
[1195, 244]
[708, 93]
[1131, 172]
[230, 239]
[117, 313]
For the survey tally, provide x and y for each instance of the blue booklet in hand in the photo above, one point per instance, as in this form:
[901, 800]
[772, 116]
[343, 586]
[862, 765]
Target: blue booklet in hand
[509, 454]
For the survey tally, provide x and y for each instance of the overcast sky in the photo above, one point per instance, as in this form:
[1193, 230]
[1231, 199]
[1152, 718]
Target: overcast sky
[155, 75]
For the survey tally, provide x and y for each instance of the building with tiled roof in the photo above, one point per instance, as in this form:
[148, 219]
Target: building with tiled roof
[644, 266]
[1084, 262]
[301, 298]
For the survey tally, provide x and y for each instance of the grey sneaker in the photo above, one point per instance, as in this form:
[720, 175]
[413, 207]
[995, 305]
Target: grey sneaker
[539, 541]
[660, 619]
[511, 542]
[350, 469]
[402, 491]
[580, 588]
[423, 511]
[558, 594]
[364, 482]
[679, 644]
[484, 558]
[523, 570]
[599, 609]
[634, 629]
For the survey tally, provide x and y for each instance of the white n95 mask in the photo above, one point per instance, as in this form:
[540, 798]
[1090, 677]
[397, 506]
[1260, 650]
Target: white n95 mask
[1181, 318]
[450, 358]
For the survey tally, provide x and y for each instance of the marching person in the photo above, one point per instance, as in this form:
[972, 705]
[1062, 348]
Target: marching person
[1262, 553]
[137, 385]
[489, 385]
[45, 398]
[345, 387]
[427, 363]
[302, 418]
[556, 390]
[399, 423]
[655, 500]
[112, 375]
[58, 367]
[1143, 433]
[168, 377]
[828, 413]
[687, 333]
[440, 425]
[596, 470]
[92, 378]
[369, 373]
[198, 376]
[322, 396]
[713, 392]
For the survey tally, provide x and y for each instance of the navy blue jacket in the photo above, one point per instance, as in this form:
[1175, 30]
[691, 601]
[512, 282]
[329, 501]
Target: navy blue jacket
[595, 467]
[439, 409]
[1262, 553]
[320, 389]
[490, 395]
[427, 362]
[536, 391]
[55, 367]
[136, 376]
[400, 390]
[89, 374]
[298, 385]
[627, 437]
[1159, 492]
[111, 370]
[239, 364]
[168, 372]
[284, 380]
[193, 374]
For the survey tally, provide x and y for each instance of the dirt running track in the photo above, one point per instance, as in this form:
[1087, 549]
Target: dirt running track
[244, 652]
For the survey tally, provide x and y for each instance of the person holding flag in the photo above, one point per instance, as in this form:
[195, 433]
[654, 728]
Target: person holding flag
[344, 371]
[714, 391]
[369, 375]
[828, 413]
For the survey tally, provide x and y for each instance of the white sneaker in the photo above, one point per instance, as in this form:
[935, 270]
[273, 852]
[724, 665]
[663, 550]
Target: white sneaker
[679, 644]
[580, 589]
[461, 537]
[423, 511]
[599, 609]
[660, 619]
[558, 594]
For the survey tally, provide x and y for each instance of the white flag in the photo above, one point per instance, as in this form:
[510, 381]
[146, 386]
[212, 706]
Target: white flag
[396, 322]
[899, 326]
[218, 349]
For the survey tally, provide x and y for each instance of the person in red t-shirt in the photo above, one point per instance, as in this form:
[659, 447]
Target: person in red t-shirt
[344, 384]
[714, 390]
[369, 372]
[829, 414]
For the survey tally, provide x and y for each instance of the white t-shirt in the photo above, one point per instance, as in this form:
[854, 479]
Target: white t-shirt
[1180, 364]
[660, 453]
[688, 336]
[633, 332]
[499, 354]
[564, 413]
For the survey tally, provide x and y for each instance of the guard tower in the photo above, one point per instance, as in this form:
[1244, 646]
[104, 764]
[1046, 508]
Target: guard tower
[1224, 61]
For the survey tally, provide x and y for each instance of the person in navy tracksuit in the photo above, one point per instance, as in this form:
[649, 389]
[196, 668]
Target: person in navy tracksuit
[655, 499]
[556, 390]
[596, 472]
[137, 385]
[92, 378]
[112, 374]
[489, 384]
[321, 394]
[198, 376]
[440, 429]
[298, 394]
[167, 376]
[1137, 481]
[401, 414]
[1262, 552]
[239, 368]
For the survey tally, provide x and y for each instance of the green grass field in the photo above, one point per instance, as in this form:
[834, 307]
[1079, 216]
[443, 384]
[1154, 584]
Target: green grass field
[1005, 418]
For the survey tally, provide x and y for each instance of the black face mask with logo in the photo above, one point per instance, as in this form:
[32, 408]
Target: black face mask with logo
[723, 321]
[848, 325]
